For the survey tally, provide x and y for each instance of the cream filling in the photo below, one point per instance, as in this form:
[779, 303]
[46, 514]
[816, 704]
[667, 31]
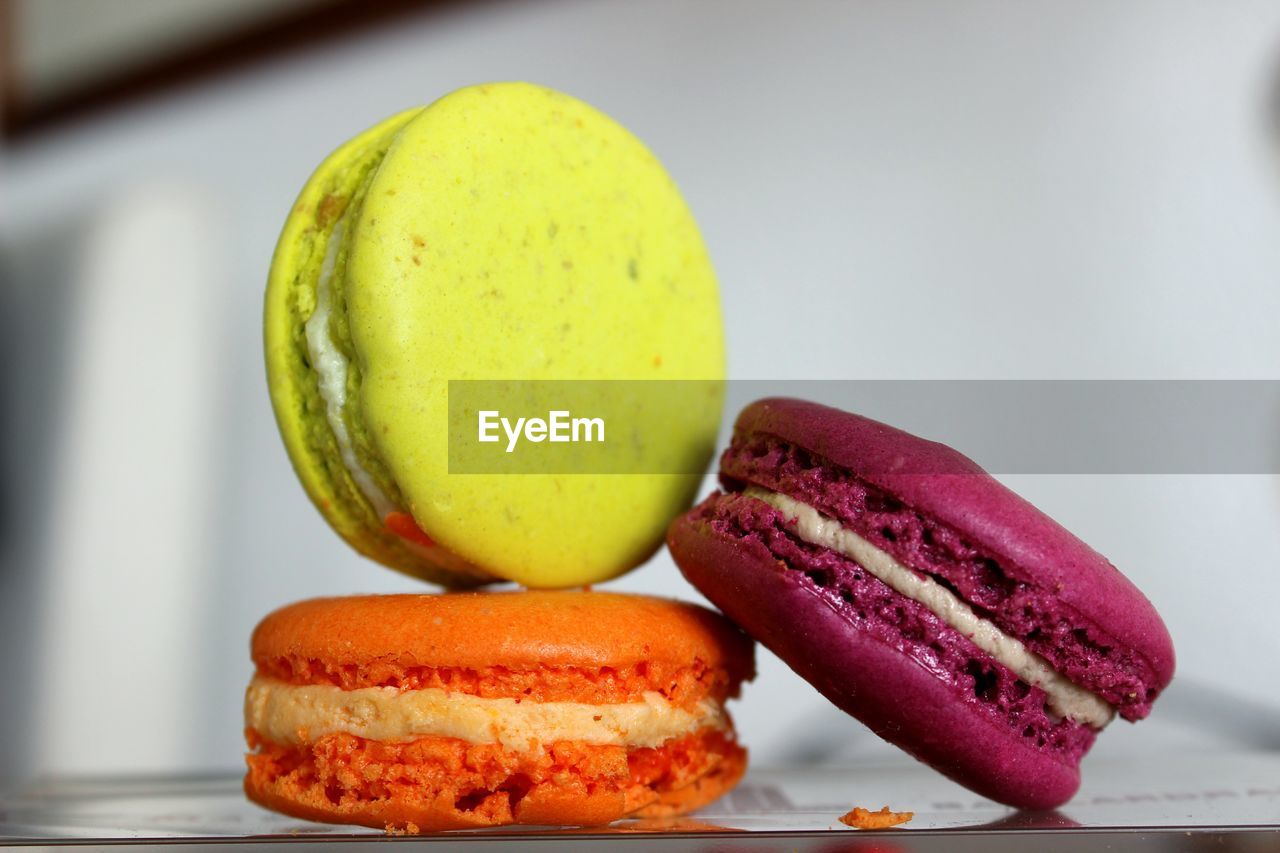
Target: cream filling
[294, 714]
[331, 368]
[1065, 698]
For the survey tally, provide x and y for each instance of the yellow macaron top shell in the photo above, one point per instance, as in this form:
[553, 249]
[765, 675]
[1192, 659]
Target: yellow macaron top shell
[511, 232]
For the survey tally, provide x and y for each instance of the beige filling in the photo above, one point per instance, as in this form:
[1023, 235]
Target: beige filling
[1065, 698]
[294, 714]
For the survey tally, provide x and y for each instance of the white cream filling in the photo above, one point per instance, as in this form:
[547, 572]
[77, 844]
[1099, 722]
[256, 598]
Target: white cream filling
[293, 714]
[1065, 698]
[331, 369]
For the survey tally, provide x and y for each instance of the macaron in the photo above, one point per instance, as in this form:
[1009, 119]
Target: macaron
[418, 713]
[504, 232]
[923, 597]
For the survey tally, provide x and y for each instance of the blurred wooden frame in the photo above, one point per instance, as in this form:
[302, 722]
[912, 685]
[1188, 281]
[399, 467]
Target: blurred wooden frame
[22, 117]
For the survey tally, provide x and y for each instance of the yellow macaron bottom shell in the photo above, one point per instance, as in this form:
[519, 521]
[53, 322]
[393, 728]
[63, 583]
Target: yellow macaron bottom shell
[513, 232]
[326, 202]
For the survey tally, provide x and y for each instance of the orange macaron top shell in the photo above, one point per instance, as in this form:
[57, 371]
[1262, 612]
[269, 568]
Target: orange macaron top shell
[545, 646]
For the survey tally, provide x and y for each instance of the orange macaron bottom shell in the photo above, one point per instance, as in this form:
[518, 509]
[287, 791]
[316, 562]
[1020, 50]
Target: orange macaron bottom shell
[440, 783]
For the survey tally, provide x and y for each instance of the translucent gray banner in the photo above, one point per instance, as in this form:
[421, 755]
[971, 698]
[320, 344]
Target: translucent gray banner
[1007, 426]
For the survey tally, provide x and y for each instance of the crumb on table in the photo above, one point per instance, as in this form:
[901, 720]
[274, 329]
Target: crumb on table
[860, 818]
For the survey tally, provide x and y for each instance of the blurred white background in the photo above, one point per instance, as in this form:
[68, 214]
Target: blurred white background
[888, 189]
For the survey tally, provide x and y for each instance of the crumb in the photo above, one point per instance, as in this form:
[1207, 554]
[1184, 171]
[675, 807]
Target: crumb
[329, 209]
[408, 829]
[860, 818]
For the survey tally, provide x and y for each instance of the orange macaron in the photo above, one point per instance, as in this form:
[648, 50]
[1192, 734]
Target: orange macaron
[429, 712]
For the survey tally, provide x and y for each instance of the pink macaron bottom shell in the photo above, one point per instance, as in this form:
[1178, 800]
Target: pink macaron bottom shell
[880, 656]
[1077, 648]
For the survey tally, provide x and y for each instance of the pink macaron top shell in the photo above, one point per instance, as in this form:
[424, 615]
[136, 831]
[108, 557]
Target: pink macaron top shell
[943, 484]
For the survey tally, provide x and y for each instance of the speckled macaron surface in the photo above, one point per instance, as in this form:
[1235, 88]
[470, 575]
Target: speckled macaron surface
[506, 231]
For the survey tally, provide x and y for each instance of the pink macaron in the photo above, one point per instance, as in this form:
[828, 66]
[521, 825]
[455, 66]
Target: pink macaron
[921, 596]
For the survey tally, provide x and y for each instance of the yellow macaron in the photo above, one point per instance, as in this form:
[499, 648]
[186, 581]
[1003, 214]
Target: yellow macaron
[505, 232]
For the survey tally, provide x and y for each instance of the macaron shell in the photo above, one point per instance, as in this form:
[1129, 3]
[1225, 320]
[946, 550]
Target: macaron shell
[896, 696]
[940, 482]
[299, 409]
[536, 629]
[513, 232]
[429, 803]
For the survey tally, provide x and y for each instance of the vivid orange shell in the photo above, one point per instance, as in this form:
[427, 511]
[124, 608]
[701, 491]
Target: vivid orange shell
[379, 639]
